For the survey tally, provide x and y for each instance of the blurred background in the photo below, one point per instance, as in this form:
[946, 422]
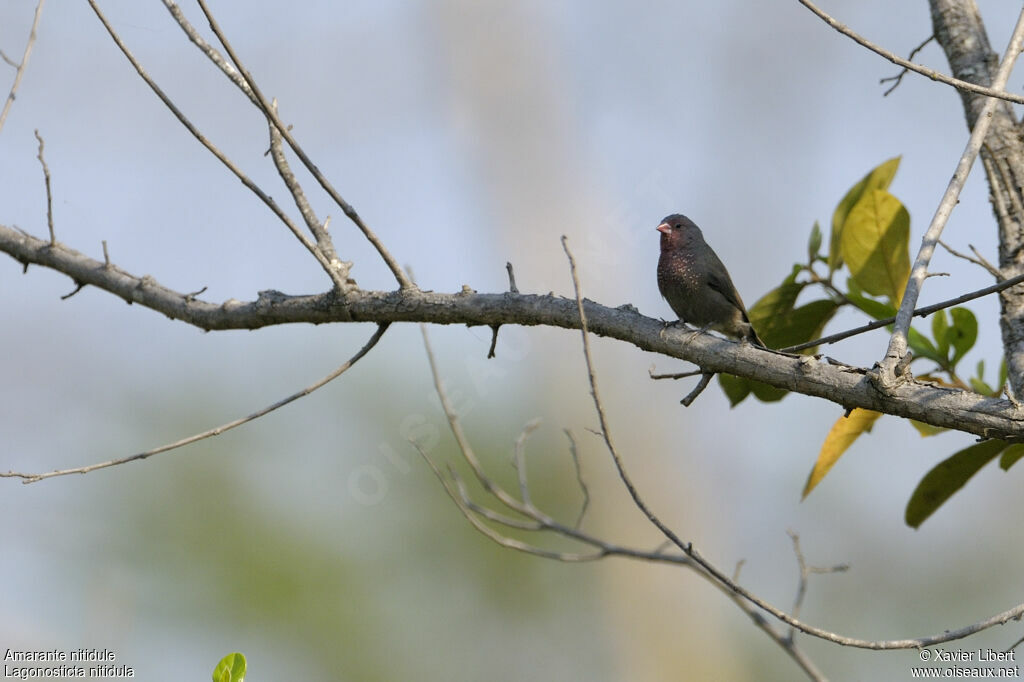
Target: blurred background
[467, 134]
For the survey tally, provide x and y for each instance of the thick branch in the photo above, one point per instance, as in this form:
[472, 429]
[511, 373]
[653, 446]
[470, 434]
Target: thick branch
[847, 386]
[961, 33]
[897, 349]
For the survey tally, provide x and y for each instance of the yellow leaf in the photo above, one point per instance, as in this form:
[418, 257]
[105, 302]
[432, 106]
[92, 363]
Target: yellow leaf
[839, 438]
[874, 244]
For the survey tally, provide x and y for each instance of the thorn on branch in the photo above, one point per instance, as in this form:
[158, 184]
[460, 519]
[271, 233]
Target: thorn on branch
[511, 278]
[192, 296]
[77, 289]
[106, 255]
[705, 379]
[494, 340]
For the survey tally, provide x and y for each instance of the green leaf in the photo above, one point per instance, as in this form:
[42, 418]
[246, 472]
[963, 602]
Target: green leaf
[962, 333]
[922, 347]
[874, 244]
[814, 243]
[1002, 373]
[939, 328]
[1011, 455]
[876, 309]
[230, 669]
[766, 393]
[736, 389]
[979, 386]
[839, 438]
[878, 178]
[948, 476]
[927, 429]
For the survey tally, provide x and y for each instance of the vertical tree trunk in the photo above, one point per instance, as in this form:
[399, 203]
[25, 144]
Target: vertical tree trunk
[959, 30]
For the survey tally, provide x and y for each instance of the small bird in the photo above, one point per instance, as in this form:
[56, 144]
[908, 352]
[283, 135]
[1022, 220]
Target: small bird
[696, 284]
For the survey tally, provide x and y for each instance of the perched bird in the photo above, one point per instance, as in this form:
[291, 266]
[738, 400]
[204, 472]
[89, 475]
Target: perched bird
[696, 284]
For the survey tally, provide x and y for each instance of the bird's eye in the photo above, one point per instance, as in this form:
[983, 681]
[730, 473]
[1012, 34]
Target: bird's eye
[678, 225]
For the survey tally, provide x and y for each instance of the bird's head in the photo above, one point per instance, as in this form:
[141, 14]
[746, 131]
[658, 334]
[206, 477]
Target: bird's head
[676, 230]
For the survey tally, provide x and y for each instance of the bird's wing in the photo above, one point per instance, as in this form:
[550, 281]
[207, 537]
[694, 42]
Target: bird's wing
[727, 289]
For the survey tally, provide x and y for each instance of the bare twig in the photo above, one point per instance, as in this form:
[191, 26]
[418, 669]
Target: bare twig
[519, 460]
[977, 259]
[21, 67]
[252, 186]
[49, 195]
[918, 312]
[898, 78]
[805, 573]
[3, 56]
[994, 91]
[338, 272]
[677, 375]
[885, 376]
[211, 52]
[32, 478]
[579, 478]
[403, 279]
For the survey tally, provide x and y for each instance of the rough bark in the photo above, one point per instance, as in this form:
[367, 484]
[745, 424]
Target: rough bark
[961, 33]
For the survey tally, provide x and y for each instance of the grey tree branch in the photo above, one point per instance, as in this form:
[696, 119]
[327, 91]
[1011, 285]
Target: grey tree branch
[886, 374]
[845, 385]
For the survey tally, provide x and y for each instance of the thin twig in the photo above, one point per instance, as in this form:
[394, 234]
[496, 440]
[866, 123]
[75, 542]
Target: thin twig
[677, 375]
[994, 91]
[579, 478]
[899, 77]
[32, 478]
[885, 376]
[210, 51]
[21, 67]
[805, 573]
[252, 186]
[338, 272]
[919, 312]
[977, 259]
[49, 195]
[403, 279]
[519, 459]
